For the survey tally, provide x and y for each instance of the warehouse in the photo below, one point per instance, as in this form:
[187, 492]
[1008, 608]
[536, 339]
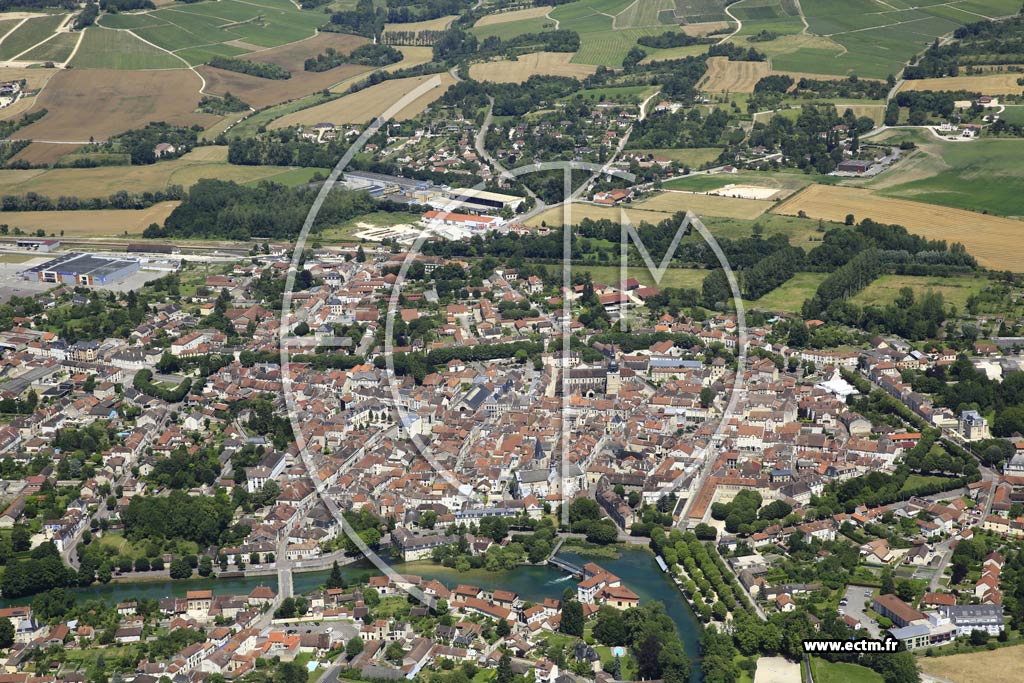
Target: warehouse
[479, 201]
[87, 270]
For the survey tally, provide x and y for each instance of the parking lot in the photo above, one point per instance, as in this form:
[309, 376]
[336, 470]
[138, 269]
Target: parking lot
[339, 630]
[855, 596]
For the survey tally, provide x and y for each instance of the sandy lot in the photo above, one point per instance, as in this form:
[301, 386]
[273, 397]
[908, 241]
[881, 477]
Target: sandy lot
[776, 670]
[369, 103]
[533, 64]
[993, 240]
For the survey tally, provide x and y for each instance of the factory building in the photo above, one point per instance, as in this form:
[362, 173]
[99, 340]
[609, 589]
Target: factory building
[87, 270]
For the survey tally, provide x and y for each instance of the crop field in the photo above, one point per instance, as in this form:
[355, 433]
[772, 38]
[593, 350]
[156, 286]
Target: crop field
[993, 240]
[369, 103]
[262, 92]
[647, 13]
[101, 103]
[700, 11]
[790, 295]
[997, 666]
[553, 217]
[533, 64]
[513, 27]
[203, 162]
[726, 76]
[702, 182]
[712, 205]
[42, 153]
[103, 48]
[198, 31]
[29, 34]
[7, 25]
[673, 53]
[603, 40]
[438, 24]
[56, 49]
[34, 79]
[102, 223]
[986, 84]
[875, 112]
[955, 290]
[516, 15]
[984, 175]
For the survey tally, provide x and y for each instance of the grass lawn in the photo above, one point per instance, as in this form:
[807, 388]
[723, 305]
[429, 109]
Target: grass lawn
[955, 290]
[673, 277]
[790, 295]
[841, 672]
[393, 606]
[628, 663]
[693, 157]
[915, 480]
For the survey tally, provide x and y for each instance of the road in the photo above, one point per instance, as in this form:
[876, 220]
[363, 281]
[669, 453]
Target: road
[481, 151]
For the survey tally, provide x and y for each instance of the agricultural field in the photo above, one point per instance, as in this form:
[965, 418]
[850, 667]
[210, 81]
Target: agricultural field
[703, 182]
[607, 28]
[508, 17]
[261, 92]
[790, 295]
[34, 79]
[30, 33]
[700, 11]
[99, 103]
[198, 31]
[104, 48]
[726, 207]
[996, 666]
[875, 112]
[983, 175]
[993, 240]
[41, 153]
[369, 103]
[672, 53]
[511, 24]
[532, 64]
[647, 13]
[102, 181]
[726, 76]
[438, 24]
[102, 223]
[987, 84]
[955, 290]
[57, 49]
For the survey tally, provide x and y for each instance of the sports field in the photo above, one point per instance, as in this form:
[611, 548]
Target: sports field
[369, 103]
[203, 162]
[993, 240]
[533, 64]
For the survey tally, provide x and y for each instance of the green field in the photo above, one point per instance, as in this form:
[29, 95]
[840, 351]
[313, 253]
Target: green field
[985, 175]
[28, 34]
[106, 49]
[511, 29]
[790, 295]
[701, 182]
[693, 157]
[841, 672]
[202, 30]
[56, 49]
[673, 277]
[620, 95]
[607, 28]
[955, 290]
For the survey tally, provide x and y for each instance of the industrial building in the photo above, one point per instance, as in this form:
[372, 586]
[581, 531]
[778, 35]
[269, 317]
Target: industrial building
[38, 244]
[479, 201]
[87, 270]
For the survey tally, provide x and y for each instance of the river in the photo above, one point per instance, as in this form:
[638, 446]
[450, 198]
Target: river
[635, 566]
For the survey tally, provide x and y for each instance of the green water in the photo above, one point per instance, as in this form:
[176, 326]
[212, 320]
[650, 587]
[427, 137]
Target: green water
[635, 566]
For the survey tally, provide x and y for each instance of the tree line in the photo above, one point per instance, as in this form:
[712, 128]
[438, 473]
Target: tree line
[122, 199]
[248, 67]
[367, 55]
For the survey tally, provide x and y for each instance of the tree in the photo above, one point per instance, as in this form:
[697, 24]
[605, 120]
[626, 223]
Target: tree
[888, 585]
[503, 629]
[979, 637]
[290, 672]
[6, 633]
[360, 255]
[354, 647]
[572, 618]
[180, 568]
[610, 628]
[394, 651]
[335, 580]
[205, 565]
[21, 538]
[504, 669]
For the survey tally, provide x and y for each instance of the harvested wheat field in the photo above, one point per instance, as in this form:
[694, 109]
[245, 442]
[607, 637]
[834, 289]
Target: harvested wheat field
[703, 28]
[671, 201]
[103, 223]
[516, 15]
[293, 56]
[263, 92]
[995, 241]
[42, 153]
[997, 666]
[533, 64]
[439, 24]
[987, 84]
[98, 103]
[553, 217]
[726, 76]
[369, 103]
